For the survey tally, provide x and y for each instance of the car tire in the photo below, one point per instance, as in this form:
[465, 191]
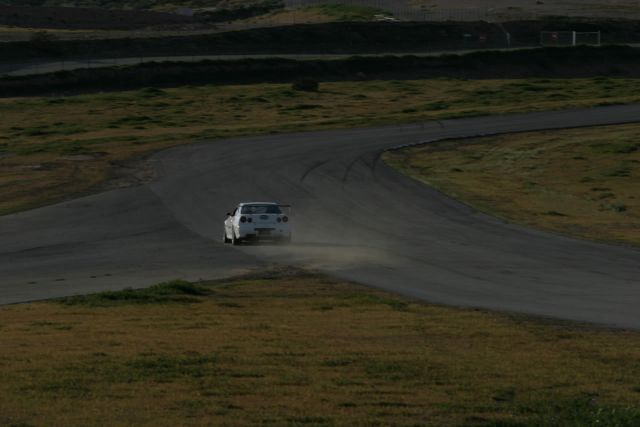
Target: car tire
[234, 241]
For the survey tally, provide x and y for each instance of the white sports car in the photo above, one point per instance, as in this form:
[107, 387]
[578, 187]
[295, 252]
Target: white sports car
[257, 221]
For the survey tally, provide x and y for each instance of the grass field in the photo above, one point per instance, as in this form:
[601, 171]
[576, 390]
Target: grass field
[299, 349]
[583, 182]
[52, 148]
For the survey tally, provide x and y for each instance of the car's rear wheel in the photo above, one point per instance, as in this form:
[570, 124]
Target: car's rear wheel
[234, 240]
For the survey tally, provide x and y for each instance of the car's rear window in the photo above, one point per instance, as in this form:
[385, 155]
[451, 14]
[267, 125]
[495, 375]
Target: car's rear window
[261, 209]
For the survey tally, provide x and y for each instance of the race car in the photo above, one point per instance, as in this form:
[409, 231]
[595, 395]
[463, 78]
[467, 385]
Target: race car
[258, 221]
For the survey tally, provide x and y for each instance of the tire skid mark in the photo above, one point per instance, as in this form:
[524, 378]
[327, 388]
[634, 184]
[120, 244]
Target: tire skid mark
[350, 167]
[313, 167]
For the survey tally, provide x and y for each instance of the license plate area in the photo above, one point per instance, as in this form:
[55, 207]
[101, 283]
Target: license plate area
[264, 231]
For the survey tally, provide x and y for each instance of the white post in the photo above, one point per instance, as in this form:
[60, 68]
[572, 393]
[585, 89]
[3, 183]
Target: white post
[599, 38]
[573, 33]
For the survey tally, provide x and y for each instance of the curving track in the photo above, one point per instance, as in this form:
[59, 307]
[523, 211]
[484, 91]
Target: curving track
[354, 217]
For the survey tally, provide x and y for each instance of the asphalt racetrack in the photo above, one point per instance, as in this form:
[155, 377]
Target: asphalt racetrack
[354, 217]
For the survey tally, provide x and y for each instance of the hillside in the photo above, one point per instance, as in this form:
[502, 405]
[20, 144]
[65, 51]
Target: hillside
[521, 9]
[126, 14]
[134, 4]
[68, 18]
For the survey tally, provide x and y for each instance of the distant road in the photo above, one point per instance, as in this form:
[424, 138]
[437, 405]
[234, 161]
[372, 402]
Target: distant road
[354, 217]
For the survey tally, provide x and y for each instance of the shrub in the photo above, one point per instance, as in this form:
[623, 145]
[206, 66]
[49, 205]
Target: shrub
[307, 85]
[44, 41]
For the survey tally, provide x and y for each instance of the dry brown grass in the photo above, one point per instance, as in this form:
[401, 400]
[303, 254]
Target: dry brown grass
[51, 148]
[513, 9]
[291, 16]
[304, 350]
[583, 182]
[15, 34]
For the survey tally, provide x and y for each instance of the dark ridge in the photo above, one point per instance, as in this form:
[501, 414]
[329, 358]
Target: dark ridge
[343, 37]
[613, 61]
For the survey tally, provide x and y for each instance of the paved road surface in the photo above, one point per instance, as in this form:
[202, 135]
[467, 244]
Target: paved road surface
[354, 217]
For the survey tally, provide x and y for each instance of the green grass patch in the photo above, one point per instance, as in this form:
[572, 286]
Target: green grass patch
[177, 291]
[370, 299]
[255, 351]
[579, 412]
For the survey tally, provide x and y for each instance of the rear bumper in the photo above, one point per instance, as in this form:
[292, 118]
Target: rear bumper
[266, 233]
[258, 238]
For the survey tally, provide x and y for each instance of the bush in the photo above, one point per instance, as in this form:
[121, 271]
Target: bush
[307, 85]
[42, 37]
[44, 41]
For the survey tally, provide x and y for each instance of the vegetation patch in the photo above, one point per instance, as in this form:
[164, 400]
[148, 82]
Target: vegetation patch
[308, 85]
[254, 351]
[582, 182]
[540, 64]
[176, 291]
[346, 12]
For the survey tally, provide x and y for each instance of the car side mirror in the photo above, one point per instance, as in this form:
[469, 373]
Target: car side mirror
[228, 214]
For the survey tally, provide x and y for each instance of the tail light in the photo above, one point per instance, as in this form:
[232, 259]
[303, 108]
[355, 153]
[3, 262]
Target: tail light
[243, 219]
[285, 219]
